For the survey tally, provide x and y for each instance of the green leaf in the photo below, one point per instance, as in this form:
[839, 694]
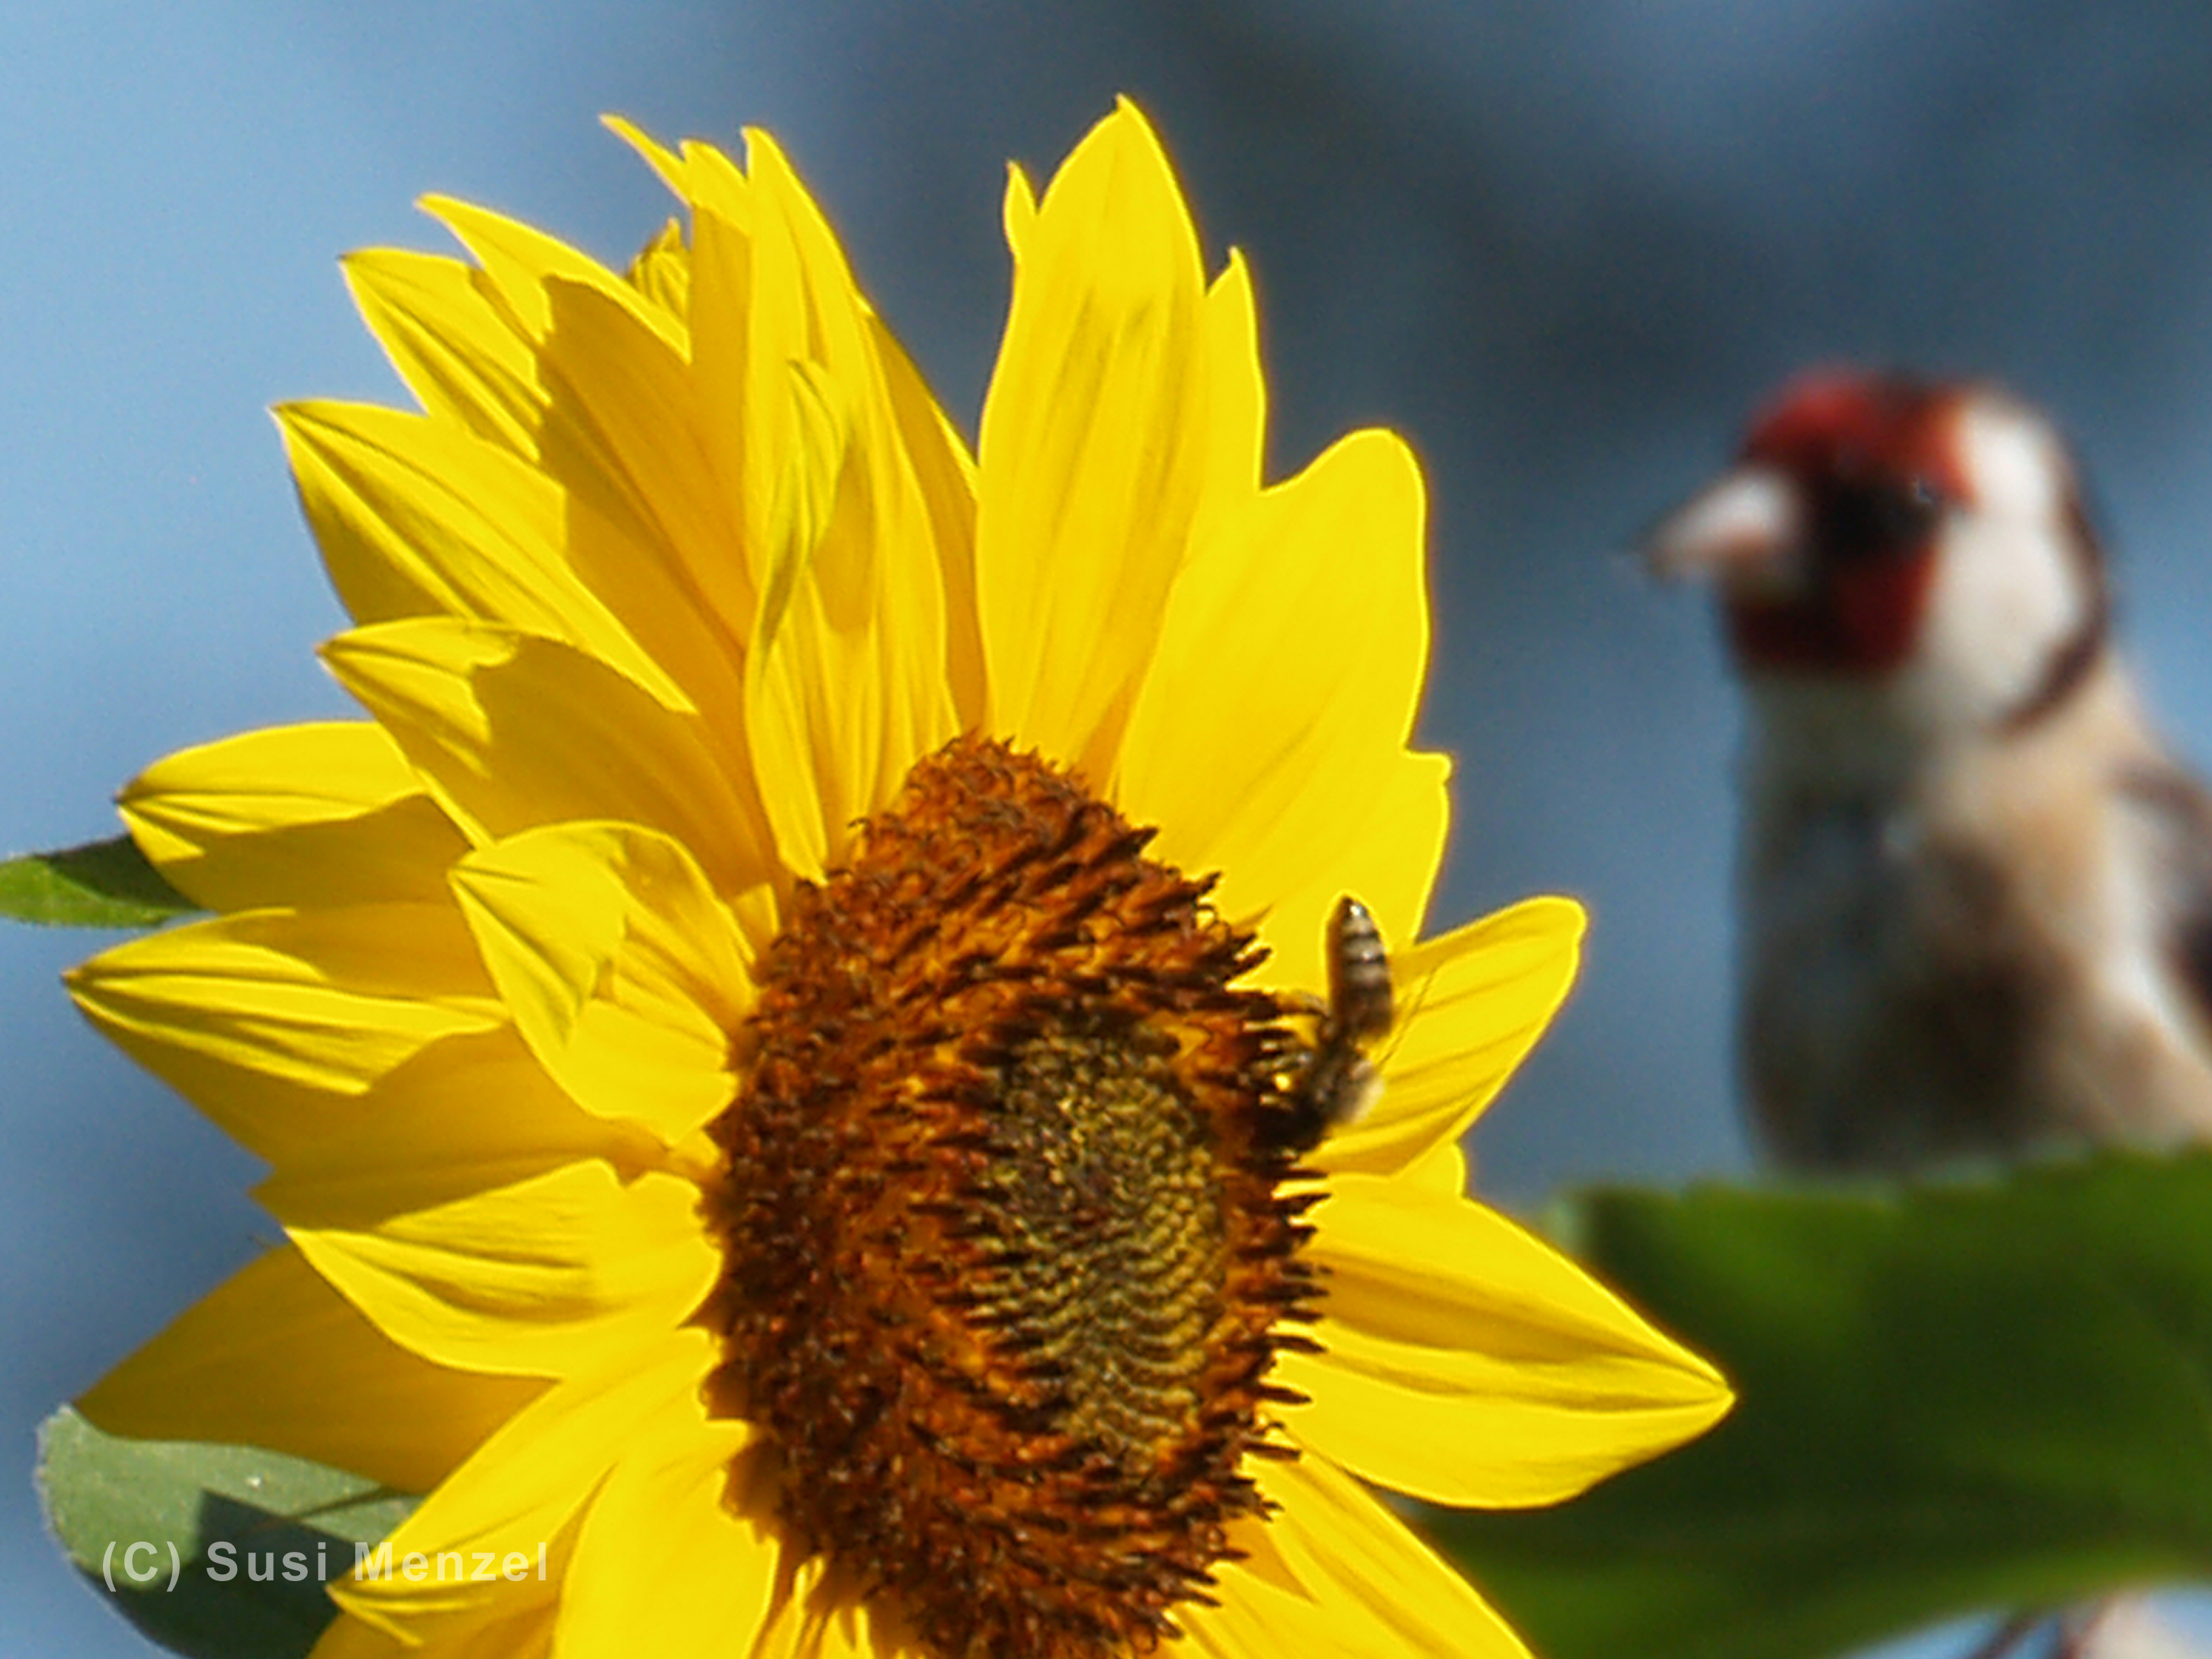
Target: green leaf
[104, 1494]
[102, 883]
[1995, 1393]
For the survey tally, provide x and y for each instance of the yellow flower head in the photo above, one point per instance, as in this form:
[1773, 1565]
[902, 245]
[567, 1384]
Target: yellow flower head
[811, 1049]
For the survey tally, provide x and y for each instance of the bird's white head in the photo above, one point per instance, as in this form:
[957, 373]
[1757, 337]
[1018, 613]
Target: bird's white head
[1900, 564]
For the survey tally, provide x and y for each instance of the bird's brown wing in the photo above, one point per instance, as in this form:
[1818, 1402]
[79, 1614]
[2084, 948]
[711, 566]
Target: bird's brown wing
[2175, 810]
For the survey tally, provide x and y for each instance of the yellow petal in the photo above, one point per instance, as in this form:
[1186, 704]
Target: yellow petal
[467, 1115]
[1376, 1590]
[1468, 1362]
[1471, 1003]
[624, 972]
[523, 263]
[1019, 211]
[1236, 401]
[819, 1617]
[1270, 732]
[846, 684]
[625, 430]
[524, 1486]
[699, 175]
[722, 333]
[418, 518]
[813, 712]
[526, 1635]
[803, 311]
[324, 814]
[662, 271]
[1262, 1607]
[347, 1638]
[1093, 454]
[457, 351]
[664, 1563]
[945, 474]
[548, 1277]
[511, 732]
[273, 1021]
[667, 163]
[1442, 1169]
[273, 1357]
[1390, 864]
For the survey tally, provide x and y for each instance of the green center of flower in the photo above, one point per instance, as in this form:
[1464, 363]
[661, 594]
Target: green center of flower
[1007, 1256]
[1099, 1200]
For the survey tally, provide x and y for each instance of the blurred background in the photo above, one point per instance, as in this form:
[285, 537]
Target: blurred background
[1561, 247]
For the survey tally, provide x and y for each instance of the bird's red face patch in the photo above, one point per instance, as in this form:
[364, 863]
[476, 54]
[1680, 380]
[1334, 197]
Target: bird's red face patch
[1875, 466]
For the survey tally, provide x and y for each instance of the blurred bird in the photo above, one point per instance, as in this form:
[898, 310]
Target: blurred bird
[1976, 887]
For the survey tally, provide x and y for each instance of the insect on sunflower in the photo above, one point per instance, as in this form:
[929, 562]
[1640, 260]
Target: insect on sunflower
[788, 1043]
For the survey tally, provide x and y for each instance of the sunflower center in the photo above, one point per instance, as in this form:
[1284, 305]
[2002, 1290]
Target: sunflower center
[1006, 1257]
[1099, 1191]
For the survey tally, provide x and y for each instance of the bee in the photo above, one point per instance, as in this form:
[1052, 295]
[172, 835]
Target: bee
[1336, 1083]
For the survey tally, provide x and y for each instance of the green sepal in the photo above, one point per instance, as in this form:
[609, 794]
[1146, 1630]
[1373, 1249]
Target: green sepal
[104, 1493]
[102, 883]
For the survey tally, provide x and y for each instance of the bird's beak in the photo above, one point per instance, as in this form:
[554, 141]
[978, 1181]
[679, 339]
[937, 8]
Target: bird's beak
[1742, 531]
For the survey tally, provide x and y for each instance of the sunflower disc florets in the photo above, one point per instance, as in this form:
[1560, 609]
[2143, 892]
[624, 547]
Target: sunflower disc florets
[1007, 1249]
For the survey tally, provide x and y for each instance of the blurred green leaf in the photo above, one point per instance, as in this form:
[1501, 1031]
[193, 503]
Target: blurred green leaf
[104, 1494]
[1995, 1393]
[103, 884]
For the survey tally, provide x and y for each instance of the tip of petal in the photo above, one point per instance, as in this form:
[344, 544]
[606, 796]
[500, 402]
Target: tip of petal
[1020, 211]
[1123, 138]
[761, 146]
[1555, 912]
[665, 162]
[1126, 109]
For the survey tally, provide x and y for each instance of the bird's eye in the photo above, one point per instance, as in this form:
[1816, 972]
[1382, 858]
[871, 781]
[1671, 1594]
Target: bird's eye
[1912, 510]
[1871, 518]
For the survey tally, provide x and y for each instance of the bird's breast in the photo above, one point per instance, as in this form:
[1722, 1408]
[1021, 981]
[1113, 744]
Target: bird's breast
[1890, 992]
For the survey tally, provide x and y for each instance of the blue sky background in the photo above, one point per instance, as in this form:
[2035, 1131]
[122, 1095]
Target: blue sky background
[1561, 247]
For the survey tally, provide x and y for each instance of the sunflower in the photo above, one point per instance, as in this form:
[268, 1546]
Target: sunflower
[792, 1045]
